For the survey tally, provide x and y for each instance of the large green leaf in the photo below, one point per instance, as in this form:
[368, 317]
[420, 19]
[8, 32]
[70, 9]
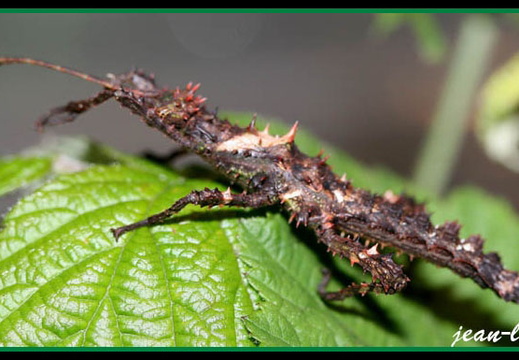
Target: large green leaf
[219, 277]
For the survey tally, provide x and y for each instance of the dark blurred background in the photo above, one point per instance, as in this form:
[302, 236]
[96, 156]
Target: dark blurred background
[372, 96]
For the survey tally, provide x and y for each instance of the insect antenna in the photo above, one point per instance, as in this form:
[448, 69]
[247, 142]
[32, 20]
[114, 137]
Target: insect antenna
[62, 69]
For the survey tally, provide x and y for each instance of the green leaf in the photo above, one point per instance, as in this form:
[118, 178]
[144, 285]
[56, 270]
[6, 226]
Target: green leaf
[73, 285]
[219, 277]
[19, 171]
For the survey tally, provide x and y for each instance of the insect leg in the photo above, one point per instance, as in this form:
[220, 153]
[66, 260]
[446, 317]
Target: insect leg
[69, 112]
[349, 291]
[206, 197]
[388, 277]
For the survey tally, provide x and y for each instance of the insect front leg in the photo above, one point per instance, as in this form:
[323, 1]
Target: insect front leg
[349, 291]
[388, 277]
[69, 112]
[206, 197]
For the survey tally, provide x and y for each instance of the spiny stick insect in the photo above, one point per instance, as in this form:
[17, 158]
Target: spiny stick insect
[271, 170]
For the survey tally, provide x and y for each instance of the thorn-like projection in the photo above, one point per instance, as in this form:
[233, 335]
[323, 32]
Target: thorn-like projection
[291, 135]
[354, 259]
[324, 160]
[292, 217]
[373, 250]
[266, 130]
[192, 88]
[343, 177]
[252, 125]
[195, 88]
[391, 197]
[227, 196]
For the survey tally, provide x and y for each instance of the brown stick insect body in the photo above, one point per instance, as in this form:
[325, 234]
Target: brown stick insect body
[271, 170]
